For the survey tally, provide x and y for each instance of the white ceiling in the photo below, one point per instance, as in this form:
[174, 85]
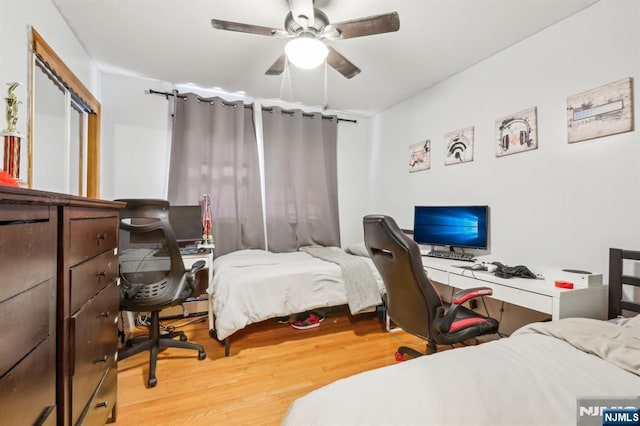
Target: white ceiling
[173, 41]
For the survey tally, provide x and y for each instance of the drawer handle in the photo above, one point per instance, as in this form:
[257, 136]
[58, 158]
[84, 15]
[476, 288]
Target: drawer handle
[103, 359]
[102, 273]
[103, 404]
[105, 314]
[102, 237]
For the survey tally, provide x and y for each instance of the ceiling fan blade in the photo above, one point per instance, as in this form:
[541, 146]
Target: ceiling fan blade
[247, 28]
[341, 64]
[278, 66]
[302, 12]
[378, 24]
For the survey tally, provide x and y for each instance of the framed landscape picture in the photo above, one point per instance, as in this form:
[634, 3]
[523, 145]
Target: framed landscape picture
[459, 146]
[604, 111]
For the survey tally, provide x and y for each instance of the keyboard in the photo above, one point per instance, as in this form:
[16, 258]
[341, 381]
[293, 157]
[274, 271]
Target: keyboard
[447, 254]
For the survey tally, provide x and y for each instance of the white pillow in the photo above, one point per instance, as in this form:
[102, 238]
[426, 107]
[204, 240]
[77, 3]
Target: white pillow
[357, 249]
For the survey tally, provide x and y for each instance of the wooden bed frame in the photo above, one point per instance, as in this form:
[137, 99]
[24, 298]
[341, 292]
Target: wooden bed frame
[617, 279]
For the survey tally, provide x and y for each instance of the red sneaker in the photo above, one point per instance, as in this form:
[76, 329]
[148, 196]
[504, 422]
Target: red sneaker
[312, 321]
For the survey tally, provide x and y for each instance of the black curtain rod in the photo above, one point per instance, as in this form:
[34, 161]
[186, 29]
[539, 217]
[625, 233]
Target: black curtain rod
[181, 96]
[269, 109]
[308, 114]
[165, 94]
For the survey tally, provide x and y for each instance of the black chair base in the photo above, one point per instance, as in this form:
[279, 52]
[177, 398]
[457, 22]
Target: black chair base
[405, 350]
[154, 342]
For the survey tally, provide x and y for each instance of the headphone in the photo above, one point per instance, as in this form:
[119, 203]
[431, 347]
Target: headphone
[512, 125]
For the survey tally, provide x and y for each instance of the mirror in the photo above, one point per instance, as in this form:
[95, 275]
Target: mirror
[64, 127]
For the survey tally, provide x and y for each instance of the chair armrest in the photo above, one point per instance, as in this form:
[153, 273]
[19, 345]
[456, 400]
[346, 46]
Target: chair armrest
[197, 266]
[445, 317]
[471, 293]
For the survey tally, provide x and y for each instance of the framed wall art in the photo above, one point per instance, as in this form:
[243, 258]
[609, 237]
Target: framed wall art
[459, 146]
[517, 132]
[420, 156]
[604, 111]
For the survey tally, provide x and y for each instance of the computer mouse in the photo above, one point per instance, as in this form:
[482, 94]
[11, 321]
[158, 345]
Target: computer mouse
[478, 267]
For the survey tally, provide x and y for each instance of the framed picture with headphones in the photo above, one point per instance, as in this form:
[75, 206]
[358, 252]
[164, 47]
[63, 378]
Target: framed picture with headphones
[517, 132]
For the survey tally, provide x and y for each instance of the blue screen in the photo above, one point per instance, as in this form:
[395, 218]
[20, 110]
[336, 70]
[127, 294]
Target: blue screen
[458, 226]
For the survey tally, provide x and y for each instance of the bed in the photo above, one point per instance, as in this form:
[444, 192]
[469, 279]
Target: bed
[250, 286]
[535, 377]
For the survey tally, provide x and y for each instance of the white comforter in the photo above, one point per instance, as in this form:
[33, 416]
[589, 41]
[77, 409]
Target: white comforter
[249, 286]
[526, 379]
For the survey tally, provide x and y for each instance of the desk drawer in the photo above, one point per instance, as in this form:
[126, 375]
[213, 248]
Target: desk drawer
[537, 302]
[88, 278]
[90, 237]
[94, 331]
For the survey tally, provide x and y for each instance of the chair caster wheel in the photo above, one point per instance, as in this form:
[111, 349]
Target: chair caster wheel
[202, 355]
[399, 356]
[183, 338]
[152, 382]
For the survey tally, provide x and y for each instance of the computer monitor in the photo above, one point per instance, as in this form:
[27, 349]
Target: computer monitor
[186, 222]
[452, 226]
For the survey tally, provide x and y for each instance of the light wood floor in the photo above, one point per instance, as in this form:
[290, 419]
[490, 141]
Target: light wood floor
[270, 365]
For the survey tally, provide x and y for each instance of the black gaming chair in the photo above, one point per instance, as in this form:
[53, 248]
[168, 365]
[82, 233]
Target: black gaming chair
[412, 302]
[152, 276]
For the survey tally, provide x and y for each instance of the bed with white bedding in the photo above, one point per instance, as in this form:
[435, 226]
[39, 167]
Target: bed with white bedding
[533, 377]
[250, 286]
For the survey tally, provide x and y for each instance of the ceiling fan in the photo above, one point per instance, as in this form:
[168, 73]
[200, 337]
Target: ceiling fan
[307, 27]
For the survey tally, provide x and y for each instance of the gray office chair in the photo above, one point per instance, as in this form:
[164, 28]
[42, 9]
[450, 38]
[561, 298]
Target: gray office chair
[152, 276]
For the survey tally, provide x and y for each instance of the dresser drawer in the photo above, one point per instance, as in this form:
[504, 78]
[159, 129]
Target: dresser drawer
[89, 237]
[88, 278]
[93, 333]
[101, 405]
[27, 392]
[27, 255]
[33, 311]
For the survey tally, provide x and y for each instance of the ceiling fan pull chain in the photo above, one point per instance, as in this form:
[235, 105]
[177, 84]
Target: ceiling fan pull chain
[325, 103]
[286, 78]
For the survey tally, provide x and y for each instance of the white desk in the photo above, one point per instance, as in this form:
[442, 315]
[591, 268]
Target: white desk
[537, 294]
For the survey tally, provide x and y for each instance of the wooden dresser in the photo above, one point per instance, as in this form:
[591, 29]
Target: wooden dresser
[59, 304]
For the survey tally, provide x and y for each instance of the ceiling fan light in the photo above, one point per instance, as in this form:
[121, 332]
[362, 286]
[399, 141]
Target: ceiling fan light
[306, 52]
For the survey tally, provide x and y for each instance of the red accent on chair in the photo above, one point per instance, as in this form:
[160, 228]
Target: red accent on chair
[464, 295]
[463, 323]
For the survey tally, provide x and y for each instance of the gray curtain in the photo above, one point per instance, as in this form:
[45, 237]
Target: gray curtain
[301, 188]
[214, 151]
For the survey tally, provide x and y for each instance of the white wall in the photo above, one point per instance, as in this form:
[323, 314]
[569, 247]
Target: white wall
[135, 140]
[560, 205]
[17, 17]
